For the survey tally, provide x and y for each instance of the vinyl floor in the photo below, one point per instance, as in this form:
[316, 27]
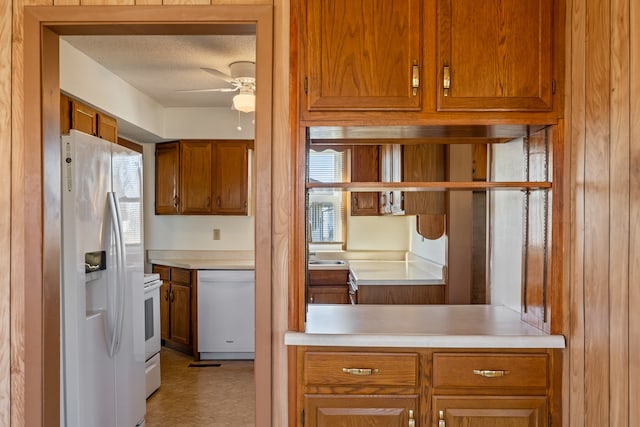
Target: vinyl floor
[211, 396]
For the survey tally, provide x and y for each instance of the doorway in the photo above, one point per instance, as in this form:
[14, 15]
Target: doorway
[43, 26]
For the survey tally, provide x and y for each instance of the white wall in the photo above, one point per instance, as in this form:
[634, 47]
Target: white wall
[506, 224]
[387, 233]
[434, 250]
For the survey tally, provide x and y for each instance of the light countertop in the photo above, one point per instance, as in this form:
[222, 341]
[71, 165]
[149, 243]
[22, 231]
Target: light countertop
[410, 272]
[432, 326]
[203, 260]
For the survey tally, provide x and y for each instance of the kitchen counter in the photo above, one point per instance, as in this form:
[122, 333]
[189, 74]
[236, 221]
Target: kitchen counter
[203, 260]
[410, 272]
[432, 326]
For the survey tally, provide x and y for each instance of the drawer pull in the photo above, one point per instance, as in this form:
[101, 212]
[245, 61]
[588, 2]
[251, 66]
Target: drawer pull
[489, 373]
[360, 371]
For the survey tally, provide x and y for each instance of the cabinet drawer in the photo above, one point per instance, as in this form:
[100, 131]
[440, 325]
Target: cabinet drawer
[464, 370]
[163, 271]
[382, 369]
[328, 277]
[181, 275]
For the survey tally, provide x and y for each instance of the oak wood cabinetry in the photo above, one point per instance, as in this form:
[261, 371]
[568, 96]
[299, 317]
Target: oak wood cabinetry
[328, 287]
[360, 55]
[491, 389]
[413, 59]
[196, 183]
[432, 387]
[178, 308]
[77, 115]
[167, 178]
[360, 389]
[401, 294]
[365, 167]
[495, 55]
[202, 177]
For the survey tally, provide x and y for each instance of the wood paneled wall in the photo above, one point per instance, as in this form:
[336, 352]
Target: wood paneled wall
[602, 319]
[21, 341]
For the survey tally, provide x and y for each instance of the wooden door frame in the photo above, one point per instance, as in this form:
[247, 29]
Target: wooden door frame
[41, 176]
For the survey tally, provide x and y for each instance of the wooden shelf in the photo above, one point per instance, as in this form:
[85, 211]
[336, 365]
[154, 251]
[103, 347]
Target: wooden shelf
[429, 186]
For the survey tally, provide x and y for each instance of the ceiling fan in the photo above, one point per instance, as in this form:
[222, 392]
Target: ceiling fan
[242, 79]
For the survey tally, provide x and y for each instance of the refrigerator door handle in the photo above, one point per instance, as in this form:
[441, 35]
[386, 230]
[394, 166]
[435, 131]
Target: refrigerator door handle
[121, 273]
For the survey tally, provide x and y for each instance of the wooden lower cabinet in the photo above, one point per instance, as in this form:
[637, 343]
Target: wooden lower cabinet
[328, 287]
[401, 294]
[490, 411]
[357, 387]
[178, 317]
[360, 411]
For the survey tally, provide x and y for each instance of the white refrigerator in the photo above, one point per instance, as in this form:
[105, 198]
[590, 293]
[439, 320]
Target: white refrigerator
[102, 302]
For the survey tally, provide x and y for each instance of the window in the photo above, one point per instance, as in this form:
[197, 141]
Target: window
[326, 207]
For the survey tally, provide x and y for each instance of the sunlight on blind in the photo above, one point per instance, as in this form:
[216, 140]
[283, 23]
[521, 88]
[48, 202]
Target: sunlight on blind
[326, 210]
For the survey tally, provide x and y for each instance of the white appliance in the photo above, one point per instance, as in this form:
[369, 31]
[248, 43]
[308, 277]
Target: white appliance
[152, 342]
[226, 326]
[102, 324]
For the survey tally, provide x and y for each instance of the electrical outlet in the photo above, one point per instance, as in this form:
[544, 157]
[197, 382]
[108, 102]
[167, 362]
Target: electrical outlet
[216, 234]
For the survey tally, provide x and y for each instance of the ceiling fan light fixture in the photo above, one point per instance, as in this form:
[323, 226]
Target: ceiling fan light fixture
[244, 102]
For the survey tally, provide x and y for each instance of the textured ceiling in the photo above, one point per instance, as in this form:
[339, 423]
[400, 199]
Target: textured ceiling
[162, 65]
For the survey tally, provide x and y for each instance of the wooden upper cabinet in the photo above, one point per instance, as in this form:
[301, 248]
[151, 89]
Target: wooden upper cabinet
[107, 128]
[195, 177]
[84, 118]
[498, 55]
[79, 116]
[167, 178]
[365, 167]
[361, 55]
[202, 177]
[230, 177]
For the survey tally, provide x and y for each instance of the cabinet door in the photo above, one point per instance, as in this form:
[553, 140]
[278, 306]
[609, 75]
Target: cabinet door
[180, 317]
[498, 54]
[329, 294]
[107, 128]
[481, 411]
[167, 178]
[195, 177]
[361, 54]
[230, 178]
[365, 167]
[83, 118]
[165, 313]
[360, 411]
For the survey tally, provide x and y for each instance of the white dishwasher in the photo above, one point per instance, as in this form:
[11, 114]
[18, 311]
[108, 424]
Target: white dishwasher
[226, 326]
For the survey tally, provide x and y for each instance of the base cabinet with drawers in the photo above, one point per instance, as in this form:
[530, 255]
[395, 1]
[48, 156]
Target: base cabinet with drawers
[388, 387]
[328, 287]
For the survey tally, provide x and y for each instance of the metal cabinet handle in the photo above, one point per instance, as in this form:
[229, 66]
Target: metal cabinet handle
[415, 78]
[441, 421]
[446, 84]
[166, 295]
[175, 201]
[208, 201]
[412, 420]
[172, 296]
[360, 371]
[490, 373]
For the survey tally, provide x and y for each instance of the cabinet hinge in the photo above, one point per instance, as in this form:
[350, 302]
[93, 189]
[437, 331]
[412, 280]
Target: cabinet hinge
[302, 418]
[306, 84]
[553, 86]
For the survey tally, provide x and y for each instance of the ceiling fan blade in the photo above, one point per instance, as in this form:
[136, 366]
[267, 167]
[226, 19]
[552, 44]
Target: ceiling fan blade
[220, 89]
[219, 74]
